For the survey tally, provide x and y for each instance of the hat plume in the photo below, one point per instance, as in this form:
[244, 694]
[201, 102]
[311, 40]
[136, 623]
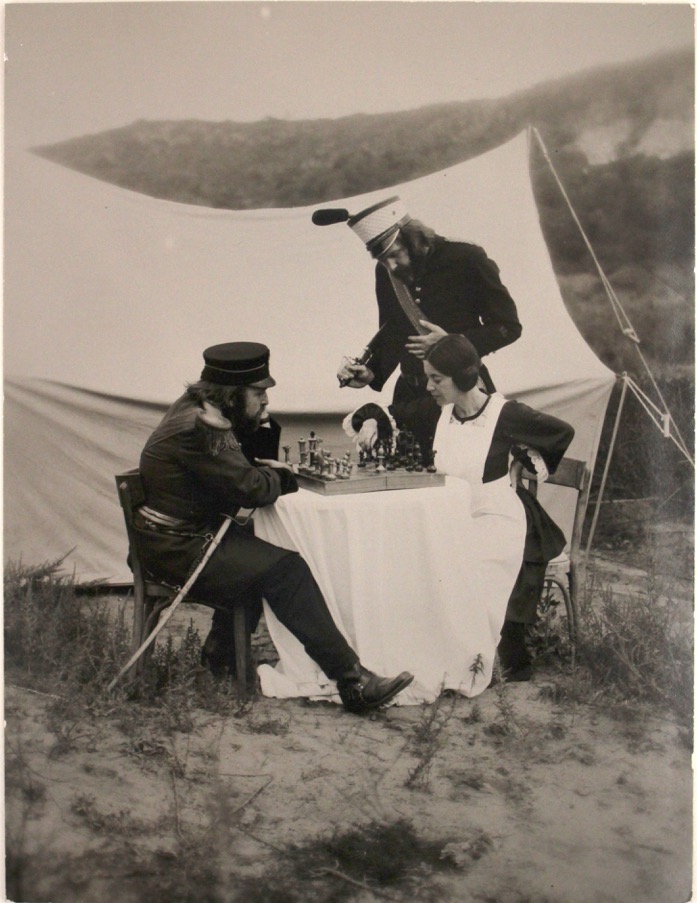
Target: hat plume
[330, 215]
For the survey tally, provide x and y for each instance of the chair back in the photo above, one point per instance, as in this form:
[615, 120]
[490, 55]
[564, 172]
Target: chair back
[131, 495]
[573, 474]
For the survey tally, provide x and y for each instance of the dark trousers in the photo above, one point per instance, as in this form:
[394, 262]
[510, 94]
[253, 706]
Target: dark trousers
[297, 601]
[522, 604]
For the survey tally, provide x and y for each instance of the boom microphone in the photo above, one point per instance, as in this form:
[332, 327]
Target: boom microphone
[330, 215]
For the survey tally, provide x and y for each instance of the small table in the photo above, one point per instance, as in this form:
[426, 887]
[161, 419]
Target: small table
[400, 575]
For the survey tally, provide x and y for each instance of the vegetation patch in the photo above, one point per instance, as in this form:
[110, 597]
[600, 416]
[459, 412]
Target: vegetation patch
[632, 649]
[381, 858]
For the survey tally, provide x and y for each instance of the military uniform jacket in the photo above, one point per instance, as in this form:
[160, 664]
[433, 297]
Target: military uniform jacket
[196, 474]
[459, 289]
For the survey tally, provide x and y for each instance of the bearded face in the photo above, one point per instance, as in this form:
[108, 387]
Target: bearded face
[246, 408]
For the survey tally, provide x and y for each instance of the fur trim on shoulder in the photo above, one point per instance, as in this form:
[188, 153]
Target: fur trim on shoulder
[216, 436]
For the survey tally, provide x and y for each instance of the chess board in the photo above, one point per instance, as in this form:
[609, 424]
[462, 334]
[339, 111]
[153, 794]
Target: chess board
[370, 481]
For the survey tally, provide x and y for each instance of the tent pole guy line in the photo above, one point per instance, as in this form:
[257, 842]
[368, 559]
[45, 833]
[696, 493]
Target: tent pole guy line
[628, 329]
[606, 469]
[618, 310]
[663, 421]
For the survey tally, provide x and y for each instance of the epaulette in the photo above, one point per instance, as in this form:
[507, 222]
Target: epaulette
[216, 430]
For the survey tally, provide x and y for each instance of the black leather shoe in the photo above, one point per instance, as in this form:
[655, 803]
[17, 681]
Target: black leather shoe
[361, 690]
[218, 656]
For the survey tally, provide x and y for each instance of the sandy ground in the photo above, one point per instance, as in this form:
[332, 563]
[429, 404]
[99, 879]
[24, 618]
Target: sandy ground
[526, 797]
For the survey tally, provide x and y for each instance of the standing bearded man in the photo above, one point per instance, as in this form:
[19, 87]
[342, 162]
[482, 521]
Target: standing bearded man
[454, 287]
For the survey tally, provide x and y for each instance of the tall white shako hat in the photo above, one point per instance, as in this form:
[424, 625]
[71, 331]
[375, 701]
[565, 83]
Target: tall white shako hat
[376, 226]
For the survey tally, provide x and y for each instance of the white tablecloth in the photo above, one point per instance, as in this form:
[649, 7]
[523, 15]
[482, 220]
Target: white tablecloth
[402, 578]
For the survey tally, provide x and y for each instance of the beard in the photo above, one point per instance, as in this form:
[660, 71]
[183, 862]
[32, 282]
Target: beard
[405, 273]
[237, 414]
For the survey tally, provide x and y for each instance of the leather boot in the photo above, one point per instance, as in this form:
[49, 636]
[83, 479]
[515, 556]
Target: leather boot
[514, 657]
[218, 654]
[361, 690]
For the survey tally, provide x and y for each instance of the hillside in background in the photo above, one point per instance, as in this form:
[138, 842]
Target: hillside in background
[621, 139]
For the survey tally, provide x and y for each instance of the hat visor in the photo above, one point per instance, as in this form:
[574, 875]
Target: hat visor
[265, 383]
[380, 246]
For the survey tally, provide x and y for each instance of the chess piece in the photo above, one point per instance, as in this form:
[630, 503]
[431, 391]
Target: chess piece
[325, 465]
[286, 452]
[432, 467]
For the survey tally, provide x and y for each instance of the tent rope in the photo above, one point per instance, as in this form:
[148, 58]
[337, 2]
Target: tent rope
[662, 419]
[606, 469]
[665, 421]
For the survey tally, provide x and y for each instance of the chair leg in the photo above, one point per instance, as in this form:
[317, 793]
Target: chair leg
[243, 650]
[570, 614]
[151, 617]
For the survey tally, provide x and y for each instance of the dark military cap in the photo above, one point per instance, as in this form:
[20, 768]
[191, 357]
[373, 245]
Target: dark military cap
[238, 364]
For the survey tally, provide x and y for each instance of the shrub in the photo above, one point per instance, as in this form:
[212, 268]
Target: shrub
[55, 635]
[633, 649]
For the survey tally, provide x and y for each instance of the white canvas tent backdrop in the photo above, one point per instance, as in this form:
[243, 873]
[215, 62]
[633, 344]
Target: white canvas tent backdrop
[115, 294]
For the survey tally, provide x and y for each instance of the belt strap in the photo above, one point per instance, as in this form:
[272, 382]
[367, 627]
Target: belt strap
[411, 309]
[163, 520]
[168, 522]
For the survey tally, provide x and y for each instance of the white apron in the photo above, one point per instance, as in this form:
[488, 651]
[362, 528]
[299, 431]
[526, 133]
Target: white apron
[462, 449]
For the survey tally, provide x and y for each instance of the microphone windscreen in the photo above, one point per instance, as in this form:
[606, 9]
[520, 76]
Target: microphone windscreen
[330, 215]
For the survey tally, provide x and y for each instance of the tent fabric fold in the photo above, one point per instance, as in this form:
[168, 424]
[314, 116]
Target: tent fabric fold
[111, 296]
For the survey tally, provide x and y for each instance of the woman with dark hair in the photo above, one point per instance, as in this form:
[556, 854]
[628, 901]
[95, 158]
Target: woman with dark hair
[486, 440]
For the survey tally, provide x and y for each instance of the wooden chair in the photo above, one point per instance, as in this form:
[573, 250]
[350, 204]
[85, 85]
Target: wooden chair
[151, 598]
[573, 474]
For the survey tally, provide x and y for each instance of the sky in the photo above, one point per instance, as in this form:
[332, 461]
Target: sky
[81, 68]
